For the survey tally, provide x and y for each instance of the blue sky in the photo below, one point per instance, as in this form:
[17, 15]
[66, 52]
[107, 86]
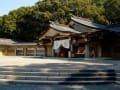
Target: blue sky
[8, 5]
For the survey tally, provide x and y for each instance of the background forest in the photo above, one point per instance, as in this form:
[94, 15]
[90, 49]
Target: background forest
[27, 23]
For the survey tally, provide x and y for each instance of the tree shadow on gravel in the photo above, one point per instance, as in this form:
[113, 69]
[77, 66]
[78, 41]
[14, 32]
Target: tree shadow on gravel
[60, 73]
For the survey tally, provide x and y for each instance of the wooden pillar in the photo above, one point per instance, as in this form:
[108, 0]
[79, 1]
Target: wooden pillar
[53, 53]
[87, 54]
[35, 52]
[99, 50]
[45, 50]
[6, 51]
[25, 51]
[15, 51]
[70, 51]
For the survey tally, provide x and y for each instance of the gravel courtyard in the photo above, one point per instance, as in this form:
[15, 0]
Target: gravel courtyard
[24, 61]
[27, 61]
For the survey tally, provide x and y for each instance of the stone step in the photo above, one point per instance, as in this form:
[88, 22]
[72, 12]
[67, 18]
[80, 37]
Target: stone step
[34, 82]
[56, 70]
[56, 67]
[57, 73]
[45, 66]
[54, 64]
[61, 71]
[29, 73]
[117, 82]
[57, 78]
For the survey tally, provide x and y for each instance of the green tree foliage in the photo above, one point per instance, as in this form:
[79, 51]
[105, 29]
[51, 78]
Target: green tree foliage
[26, 23]
[61, 10]
[1, 27]
[112, 11]
[31, 25]
[5, 26]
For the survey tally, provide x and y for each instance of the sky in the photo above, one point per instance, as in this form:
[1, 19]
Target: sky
[8, 5]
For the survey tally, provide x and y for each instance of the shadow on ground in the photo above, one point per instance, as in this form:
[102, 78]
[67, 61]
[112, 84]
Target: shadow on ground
[91, 70]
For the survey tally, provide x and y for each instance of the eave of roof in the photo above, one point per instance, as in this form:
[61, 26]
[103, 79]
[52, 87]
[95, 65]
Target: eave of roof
[20, 44]
[30, 44]
[114, 28]
[11, 42]
[87, 22]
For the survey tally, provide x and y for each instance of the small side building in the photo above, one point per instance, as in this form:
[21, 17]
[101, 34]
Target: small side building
[9, 47]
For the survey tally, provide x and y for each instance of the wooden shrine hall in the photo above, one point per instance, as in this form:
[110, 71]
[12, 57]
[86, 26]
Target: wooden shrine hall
[82, 38]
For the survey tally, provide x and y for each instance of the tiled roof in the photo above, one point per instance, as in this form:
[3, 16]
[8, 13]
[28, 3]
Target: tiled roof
[62, 28]
[87, 22]
[4, 41]
[114, 28]
[25, 44]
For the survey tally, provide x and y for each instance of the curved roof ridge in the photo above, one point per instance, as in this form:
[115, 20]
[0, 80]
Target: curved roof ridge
[59, 24]
[85, 19]
[62, 27]
[88, 22]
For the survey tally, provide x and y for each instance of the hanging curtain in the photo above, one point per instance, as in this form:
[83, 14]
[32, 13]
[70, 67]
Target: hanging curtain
[65, 43]
[56, 45]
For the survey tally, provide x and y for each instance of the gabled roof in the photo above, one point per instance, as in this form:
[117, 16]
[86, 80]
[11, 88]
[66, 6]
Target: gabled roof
[58, 29]
[62, 28]
[87, 22]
